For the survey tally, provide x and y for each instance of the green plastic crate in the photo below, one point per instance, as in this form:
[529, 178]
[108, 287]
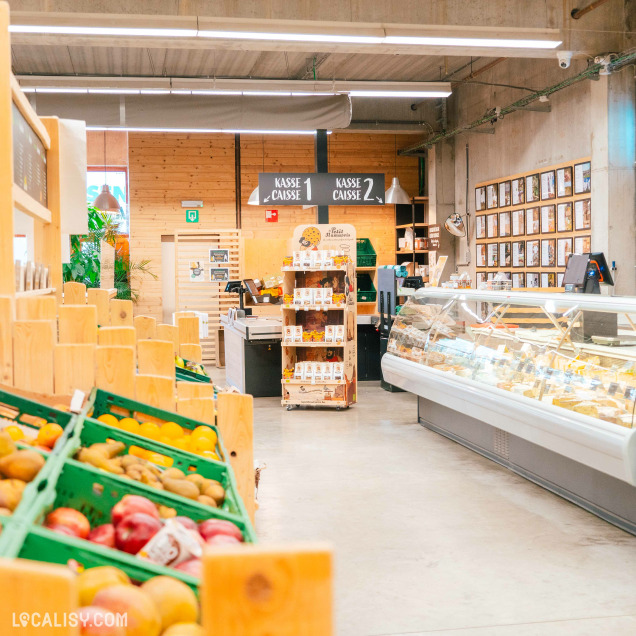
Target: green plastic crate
[191, 376]
[93, 432]
[18, 409]
[366, 290]
[365, 254]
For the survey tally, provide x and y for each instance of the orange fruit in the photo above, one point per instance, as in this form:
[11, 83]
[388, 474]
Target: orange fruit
[129, 424]
[15, 432]
[183, 443]
[149, 430]
[107, 418]
[204, 432]
[171, 430]
[49, 434]
[142, 615]
[163, 439]
[91, 581]
[202, 444]
[209, 455]
[175, 601]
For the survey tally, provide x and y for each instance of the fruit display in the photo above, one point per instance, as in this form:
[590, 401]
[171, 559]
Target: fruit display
[38, 432]
[151, 531]
[160, 606]
[17, 469]
[200, 441]
[190, 366]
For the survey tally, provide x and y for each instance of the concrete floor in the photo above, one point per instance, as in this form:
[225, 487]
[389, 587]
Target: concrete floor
[430, 537]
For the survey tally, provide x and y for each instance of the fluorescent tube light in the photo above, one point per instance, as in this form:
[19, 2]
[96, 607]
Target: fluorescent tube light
[472, 42]
[112, 91]
[203, 130]
[291, 37]
[406, 93]
[267, 93]
[155, 91]
[216, 92]
[115, 31]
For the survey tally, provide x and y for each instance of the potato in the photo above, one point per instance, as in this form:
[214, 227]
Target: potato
[22, 464]
[108, 449]
[208, 501]
[181, 487]
[197, 479]
[9, 495]
[216, 491]
[131, 460]
[166, 512]
[172, 473]
[7, 445]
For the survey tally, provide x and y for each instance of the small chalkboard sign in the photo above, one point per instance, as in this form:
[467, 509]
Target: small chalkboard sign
[29, 159]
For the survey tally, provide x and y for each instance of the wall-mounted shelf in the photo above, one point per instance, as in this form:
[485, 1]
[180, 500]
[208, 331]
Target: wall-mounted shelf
[335, 345]
[314, 307]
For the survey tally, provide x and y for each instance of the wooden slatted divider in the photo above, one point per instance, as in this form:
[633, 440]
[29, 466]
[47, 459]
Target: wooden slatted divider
[188, 330]
[6, 340]
[77, 324]
[194, 390]
[33, 342]
[199, 408]
[171, 333]
[101, 299]
[74, 293]
[191, 352]
[121, 313]
[74, 368]
[146, 327]
[117, 336]
[115, 369]
[156, 391]
[36, 308]
[156, 357]
[207, 296]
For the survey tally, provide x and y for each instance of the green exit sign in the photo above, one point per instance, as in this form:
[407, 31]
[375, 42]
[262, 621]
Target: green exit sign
[192, 216]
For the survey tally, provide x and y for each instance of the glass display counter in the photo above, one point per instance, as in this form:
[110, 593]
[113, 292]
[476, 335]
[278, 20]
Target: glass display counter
[555, 370]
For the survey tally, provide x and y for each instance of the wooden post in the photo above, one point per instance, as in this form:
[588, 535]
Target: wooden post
[30, 586]
[117, 336]
[155, 357]
[194, 390]
[274, 591]
[235, 421]
[169, 332]
[77, 324]
[33, 343]
[191, 352]
[200, 408]
[115, 370]
[51, 233]
[100, 298]
[121, 313]
[188, 330]
[146, 327]
[155, 391]
[6, 336]
[74, 293]
[7, 272]
[74, 368]
[36, 308]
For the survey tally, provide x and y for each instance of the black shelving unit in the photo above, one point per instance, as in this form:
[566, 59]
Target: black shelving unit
[413, 216]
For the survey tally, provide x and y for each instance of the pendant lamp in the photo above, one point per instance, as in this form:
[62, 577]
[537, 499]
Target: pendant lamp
[455, 225]
[106, 202]
[255, 198]
[396, 194]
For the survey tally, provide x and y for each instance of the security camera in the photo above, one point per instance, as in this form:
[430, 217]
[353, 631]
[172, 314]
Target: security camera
[565, 58]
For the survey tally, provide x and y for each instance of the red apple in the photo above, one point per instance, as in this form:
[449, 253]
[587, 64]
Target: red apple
[71, 518]
[222, 539]
[130, 504]
[97, 621]
[56, 527]
[194, 567]
[135, 530]
[211, 527]
[104, 535]
[186, 522]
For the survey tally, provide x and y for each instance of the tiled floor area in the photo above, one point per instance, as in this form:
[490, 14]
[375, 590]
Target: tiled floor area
[431, 538]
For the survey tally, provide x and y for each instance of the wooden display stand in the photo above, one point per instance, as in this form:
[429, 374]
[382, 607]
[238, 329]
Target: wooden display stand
[339, 393]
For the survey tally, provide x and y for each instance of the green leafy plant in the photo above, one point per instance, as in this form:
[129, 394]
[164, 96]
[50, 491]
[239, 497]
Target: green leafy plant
[85, 265]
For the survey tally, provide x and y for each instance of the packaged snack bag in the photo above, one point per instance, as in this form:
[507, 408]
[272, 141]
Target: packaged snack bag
[288, 261]
[299, 370]
[297, 259]
[307, 260]
[330, 333]
[298, 333]
[318, 371]
[307, 295]
[340, 333]
[298, 300]
[173, 544]
[327, 371]
[338, 370]
[319, 296]
[327, 296]
[309, 371]
[289, 333]
[328, 259]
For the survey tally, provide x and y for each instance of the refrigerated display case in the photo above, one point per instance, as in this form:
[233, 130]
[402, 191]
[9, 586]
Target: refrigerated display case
[544, 383]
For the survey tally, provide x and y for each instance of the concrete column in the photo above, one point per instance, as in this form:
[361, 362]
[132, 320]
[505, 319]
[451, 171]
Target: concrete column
[613, 175]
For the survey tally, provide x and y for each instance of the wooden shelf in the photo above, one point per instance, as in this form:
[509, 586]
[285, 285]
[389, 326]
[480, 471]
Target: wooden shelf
[366, 269]
[328, 382]
[407, 225]
[413, 252]
[315, 307]
[315, 269]
[338, 345]
[36, 292]
[368, 302]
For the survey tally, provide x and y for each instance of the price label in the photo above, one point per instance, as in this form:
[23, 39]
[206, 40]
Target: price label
[613, 387]
[630, 393]
[568, 377]
[530, 368]
[595, 383]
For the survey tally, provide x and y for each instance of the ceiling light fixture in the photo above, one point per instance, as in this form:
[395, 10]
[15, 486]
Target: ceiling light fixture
[471, 42]
[291, 37]
[396, 194]
[233, 131]
[405, 93]
[106, 202]
[113, 31]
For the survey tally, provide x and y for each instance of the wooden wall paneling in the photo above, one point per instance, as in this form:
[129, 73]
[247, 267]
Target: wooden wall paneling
[33, 343]
[115, 369]
[191, 352]
[100, 298]
[156, 357]
[156, 391]
[194, 390]
[74, 293]
[146, 327]
[171, 333]
[74, 366]
[199, 408]
[77, 324]
[36, 308]
[6, 339]
[121, 313]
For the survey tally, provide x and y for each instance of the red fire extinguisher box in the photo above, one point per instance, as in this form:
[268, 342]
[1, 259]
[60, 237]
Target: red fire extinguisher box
[271, 216]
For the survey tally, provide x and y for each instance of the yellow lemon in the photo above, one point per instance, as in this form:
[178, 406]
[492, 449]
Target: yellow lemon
[15, 432]
[129, 424]
[182, 443]
[164, 439]
[171, 430]
[149, 430]
[209, 455]
[109, 419]
[202, 444]
[204, 432]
